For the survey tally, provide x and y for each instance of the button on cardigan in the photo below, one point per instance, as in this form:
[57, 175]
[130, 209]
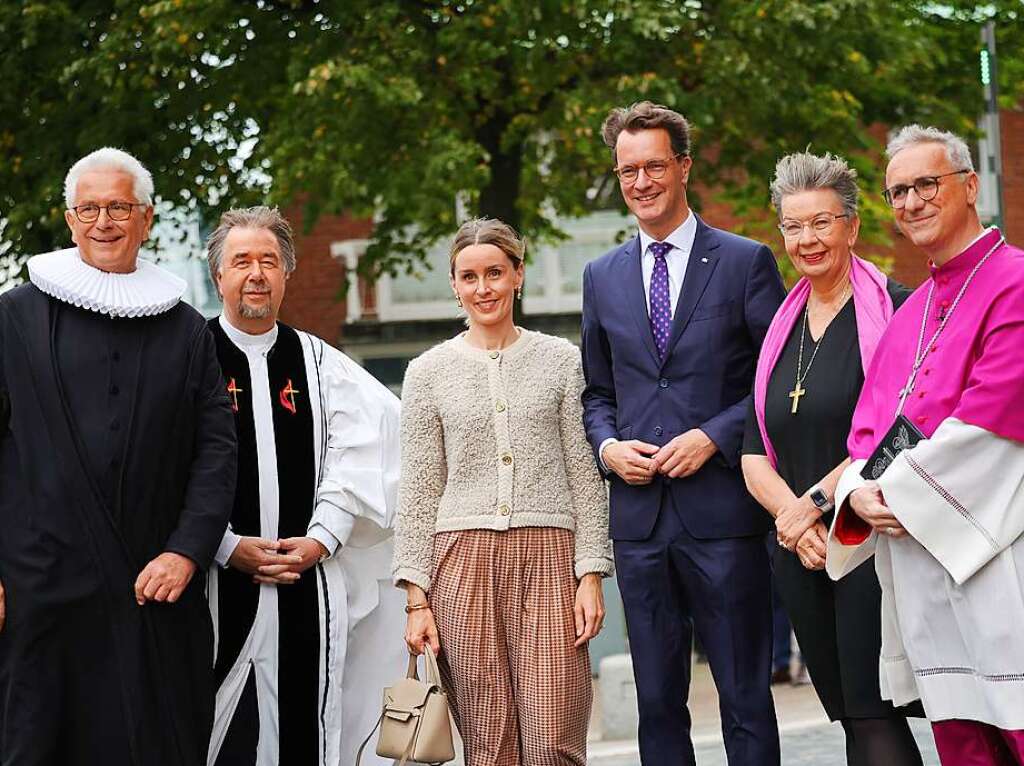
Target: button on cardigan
[495, 440]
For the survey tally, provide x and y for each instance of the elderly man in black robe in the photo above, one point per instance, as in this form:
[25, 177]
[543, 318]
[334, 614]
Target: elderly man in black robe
[117, 471]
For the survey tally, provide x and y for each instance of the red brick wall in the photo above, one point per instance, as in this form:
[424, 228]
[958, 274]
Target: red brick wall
[315, 299]
[1011, 126]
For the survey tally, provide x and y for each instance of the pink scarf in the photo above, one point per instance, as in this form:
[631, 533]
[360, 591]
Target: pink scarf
[872, 305]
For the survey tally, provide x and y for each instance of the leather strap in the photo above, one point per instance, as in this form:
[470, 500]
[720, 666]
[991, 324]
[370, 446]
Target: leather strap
[362, 747]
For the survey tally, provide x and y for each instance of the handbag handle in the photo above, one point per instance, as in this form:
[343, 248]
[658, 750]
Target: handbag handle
[432, 674]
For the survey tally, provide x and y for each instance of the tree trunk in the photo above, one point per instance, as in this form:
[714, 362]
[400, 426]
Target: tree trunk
[499, 198]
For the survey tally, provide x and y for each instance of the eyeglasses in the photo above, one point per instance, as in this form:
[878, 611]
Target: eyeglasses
[925, 186]
[116, 211]
[654, 169]
[821, 224]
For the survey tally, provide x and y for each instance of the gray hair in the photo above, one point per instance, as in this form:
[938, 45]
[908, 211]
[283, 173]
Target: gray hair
[259, 217]
[109, 158]
[957, 153]
[803, 171]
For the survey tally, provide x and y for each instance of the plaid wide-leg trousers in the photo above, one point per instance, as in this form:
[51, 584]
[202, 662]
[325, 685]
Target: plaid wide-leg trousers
[503, 602]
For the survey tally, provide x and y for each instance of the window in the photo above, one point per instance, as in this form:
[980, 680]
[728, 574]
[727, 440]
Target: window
[554, 273]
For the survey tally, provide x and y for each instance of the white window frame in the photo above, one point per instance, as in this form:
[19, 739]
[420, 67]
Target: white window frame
[349, 251]
[597, 229]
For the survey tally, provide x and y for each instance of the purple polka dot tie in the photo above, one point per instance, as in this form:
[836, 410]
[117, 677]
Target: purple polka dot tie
[661, 303]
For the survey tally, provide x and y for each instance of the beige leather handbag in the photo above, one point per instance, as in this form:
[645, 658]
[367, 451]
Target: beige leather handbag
[414, 723]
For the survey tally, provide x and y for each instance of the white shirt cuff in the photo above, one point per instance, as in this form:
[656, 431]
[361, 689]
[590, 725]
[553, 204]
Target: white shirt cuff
[600, 452]
[320, 533]
[227, 546]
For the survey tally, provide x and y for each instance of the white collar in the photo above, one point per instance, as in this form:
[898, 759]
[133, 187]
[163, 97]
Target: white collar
[977, 239]
[681, 239]
[259, 344]
[147, 291]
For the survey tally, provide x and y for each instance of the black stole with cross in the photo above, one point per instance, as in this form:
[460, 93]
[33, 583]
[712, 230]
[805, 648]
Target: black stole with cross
[298, 672]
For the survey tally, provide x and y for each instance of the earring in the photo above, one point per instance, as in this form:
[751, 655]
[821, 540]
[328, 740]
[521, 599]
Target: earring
[458, 300]
[519, 292]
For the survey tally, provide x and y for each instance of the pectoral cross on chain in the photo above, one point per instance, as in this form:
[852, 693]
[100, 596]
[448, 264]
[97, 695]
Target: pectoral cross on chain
[234, 390]
[795, 395]
[907, 390]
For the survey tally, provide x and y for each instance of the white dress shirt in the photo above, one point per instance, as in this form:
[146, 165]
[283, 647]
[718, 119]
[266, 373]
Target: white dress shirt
[677, 259]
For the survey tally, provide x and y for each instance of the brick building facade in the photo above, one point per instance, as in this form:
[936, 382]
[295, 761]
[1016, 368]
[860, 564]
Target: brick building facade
[356, 317]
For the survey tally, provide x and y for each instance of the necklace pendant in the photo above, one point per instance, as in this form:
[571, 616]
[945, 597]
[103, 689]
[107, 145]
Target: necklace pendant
[795, 395]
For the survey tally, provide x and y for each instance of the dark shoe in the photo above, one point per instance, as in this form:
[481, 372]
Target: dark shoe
[781, 676]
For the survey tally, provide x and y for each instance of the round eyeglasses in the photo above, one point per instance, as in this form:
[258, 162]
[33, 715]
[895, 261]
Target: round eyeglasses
[821, 225]
[654, 169]
[116, 211]
[926, 188]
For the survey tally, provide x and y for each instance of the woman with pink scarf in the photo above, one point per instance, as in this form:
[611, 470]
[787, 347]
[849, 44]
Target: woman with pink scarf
[809, 376]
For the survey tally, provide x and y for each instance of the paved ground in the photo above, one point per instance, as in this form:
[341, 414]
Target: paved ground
[818, 745]
[808, 739]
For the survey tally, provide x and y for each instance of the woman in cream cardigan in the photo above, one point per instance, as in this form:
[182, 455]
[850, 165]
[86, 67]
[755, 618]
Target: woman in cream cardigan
[502, 533]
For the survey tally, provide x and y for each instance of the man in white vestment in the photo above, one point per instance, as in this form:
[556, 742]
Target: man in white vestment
[308, 628]
[939, 431]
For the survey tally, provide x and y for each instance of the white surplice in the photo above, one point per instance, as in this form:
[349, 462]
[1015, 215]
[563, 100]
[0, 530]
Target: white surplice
[356, 464]
[953, 590]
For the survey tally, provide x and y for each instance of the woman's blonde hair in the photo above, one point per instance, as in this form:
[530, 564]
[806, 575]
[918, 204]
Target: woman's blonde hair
[488, 231]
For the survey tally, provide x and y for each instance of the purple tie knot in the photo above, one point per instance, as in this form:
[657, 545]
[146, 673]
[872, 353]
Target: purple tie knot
[660, 249]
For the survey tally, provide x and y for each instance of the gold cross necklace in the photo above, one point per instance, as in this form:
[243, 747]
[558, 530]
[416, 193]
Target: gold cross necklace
[801, 373]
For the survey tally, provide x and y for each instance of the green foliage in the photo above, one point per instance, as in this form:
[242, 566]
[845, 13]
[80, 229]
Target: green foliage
[399, 108]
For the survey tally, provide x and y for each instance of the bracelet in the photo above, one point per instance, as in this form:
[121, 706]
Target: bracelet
[409, 608]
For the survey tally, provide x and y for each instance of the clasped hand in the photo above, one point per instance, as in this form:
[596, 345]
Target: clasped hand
[869, 503]
[637, 462]
[794, 520]
[276, 562]
[811, 547]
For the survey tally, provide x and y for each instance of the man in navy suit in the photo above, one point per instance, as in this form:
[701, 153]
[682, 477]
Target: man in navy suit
[672, 324]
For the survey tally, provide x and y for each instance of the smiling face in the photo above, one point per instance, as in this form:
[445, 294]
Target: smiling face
[105, 244]
[251, 279]
[485, 280]
[658, 204]
[940, 224]
[818, 255]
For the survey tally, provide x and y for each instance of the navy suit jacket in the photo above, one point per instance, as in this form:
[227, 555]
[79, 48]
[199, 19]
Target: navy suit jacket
[729, 295]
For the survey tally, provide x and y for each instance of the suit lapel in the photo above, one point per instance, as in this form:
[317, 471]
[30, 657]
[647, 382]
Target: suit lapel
[699, 268]
[636, 297]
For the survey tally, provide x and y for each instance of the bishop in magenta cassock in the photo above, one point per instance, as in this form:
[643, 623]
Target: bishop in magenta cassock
[944, 519]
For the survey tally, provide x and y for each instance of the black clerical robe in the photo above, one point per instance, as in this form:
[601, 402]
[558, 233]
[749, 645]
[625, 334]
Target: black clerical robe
[118, 445]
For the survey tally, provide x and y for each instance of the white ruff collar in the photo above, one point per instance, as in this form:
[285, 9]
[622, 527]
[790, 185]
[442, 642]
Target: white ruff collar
[147, 291]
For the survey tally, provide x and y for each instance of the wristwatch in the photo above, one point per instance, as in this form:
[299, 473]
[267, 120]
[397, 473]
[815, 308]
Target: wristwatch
[820, 499]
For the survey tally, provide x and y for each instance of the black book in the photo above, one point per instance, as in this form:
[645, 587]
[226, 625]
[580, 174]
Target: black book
[903, 435]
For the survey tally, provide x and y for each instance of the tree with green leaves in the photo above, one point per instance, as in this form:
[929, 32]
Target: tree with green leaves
[409, 110]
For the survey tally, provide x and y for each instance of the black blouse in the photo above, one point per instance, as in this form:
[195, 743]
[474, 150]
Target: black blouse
[812, 442]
